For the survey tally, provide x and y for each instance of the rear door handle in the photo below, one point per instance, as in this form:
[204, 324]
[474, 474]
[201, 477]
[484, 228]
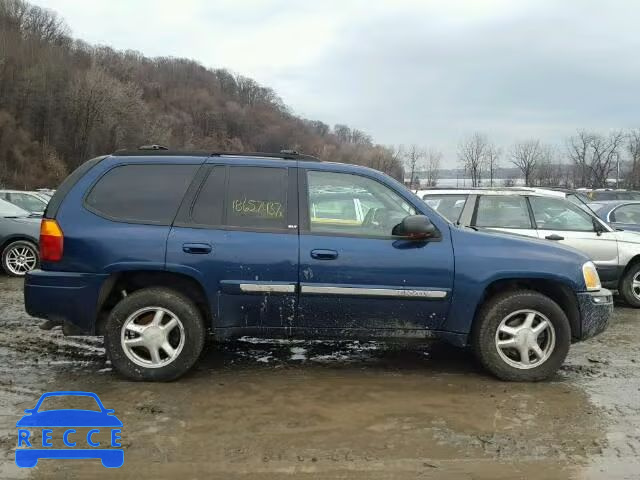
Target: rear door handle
[554, 236]
[196, 248]
[324, 254]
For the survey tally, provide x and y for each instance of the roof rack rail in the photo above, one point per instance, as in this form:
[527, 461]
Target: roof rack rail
[159, 150]
[153, 147]
[284, 154]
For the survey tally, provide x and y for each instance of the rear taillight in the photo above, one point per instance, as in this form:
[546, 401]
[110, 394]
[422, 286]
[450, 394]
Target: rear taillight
[51, 241]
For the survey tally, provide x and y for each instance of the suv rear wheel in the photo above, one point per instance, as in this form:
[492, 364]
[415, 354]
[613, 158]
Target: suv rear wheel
[521, 336]
[154, 334]
[19, 257]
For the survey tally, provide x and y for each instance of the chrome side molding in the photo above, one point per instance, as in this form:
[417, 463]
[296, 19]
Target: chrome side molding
[267, 288]
[372, 292]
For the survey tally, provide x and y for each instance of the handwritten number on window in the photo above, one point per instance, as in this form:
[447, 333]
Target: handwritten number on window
[258, 208]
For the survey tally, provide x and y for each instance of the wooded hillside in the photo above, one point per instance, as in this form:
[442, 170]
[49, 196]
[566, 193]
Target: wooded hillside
[63, 101]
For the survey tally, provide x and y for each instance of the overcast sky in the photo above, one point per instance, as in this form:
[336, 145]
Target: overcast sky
[425, 72]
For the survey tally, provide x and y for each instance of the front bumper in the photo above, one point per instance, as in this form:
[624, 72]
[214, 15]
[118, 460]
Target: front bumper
[596, 309]
[64, 296]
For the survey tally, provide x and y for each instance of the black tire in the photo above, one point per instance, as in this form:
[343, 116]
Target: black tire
[626, 285]
[186, 312]
[33, 249]
[497, 308]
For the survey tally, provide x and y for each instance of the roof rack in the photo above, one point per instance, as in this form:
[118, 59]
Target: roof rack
[159, 150]
[284, 154]
[153, 147]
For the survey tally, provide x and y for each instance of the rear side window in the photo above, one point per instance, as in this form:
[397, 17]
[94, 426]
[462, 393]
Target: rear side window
[449, 206]
[502, 211]
[141, 193]
[67, 185]
[256, 198]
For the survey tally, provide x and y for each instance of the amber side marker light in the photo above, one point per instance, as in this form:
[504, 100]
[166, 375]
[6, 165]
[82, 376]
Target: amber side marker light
[51, 241]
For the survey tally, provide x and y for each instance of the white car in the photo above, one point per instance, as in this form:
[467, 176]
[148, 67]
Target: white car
[548, 215]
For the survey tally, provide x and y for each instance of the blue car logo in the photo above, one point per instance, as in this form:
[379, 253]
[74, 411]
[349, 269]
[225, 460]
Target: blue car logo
[67, 420]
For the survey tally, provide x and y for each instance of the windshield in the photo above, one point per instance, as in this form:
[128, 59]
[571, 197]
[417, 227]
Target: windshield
[29, 202]
[10, 210]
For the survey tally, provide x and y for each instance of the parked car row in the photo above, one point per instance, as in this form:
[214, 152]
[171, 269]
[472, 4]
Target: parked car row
[552, 216]
[606, 194]
[621, 214]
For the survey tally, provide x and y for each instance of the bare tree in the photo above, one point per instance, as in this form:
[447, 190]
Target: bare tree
[633, 148]
[606, 154]
[547, 172]
[433, 167]
[493, 157]
[595, 156]
[343, 133]
[526, 156]
[578, 152]
[472, 153]
[413, 160]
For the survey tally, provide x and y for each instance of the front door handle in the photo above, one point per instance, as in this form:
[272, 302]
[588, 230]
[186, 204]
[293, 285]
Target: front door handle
[196, 248]
[324, 254]
[554, 236]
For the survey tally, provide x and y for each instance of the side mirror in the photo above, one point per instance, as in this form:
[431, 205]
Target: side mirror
[415, 227]
[597, 226]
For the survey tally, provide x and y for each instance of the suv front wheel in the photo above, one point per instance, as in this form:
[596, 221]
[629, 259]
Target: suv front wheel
[521, 336]
[154, 334]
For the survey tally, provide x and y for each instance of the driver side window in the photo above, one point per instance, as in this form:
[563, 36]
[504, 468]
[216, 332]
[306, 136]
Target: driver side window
[349, 204]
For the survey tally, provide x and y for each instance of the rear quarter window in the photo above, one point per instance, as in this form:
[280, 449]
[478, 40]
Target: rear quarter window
[61, 192]
[141, 193]
[449, 206]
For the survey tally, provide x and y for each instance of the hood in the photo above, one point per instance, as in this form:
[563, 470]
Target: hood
[487, 256]
[513, 239]
[628, 236]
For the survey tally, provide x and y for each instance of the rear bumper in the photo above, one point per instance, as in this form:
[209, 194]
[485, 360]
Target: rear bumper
[64, 296]
[596, 309]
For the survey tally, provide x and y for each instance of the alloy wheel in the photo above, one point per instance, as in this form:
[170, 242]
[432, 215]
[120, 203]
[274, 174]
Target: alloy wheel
[152, 337]
[21, 259]
[525, 339]
[635, 285]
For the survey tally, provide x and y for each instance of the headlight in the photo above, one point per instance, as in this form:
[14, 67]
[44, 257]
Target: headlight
[591, 278]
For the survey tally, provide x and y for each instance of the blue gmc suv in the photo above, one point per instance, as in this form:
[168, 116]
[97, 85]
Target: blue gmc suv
[156, 249]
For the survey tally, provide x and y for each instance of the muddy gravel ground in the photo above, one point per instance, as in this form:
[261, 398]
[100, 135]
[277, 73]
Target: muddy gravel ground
[352, 410]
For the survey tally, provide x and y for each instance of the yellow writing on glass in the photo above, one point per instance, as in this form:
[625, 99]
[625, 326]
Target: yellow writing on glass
[258, 208]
